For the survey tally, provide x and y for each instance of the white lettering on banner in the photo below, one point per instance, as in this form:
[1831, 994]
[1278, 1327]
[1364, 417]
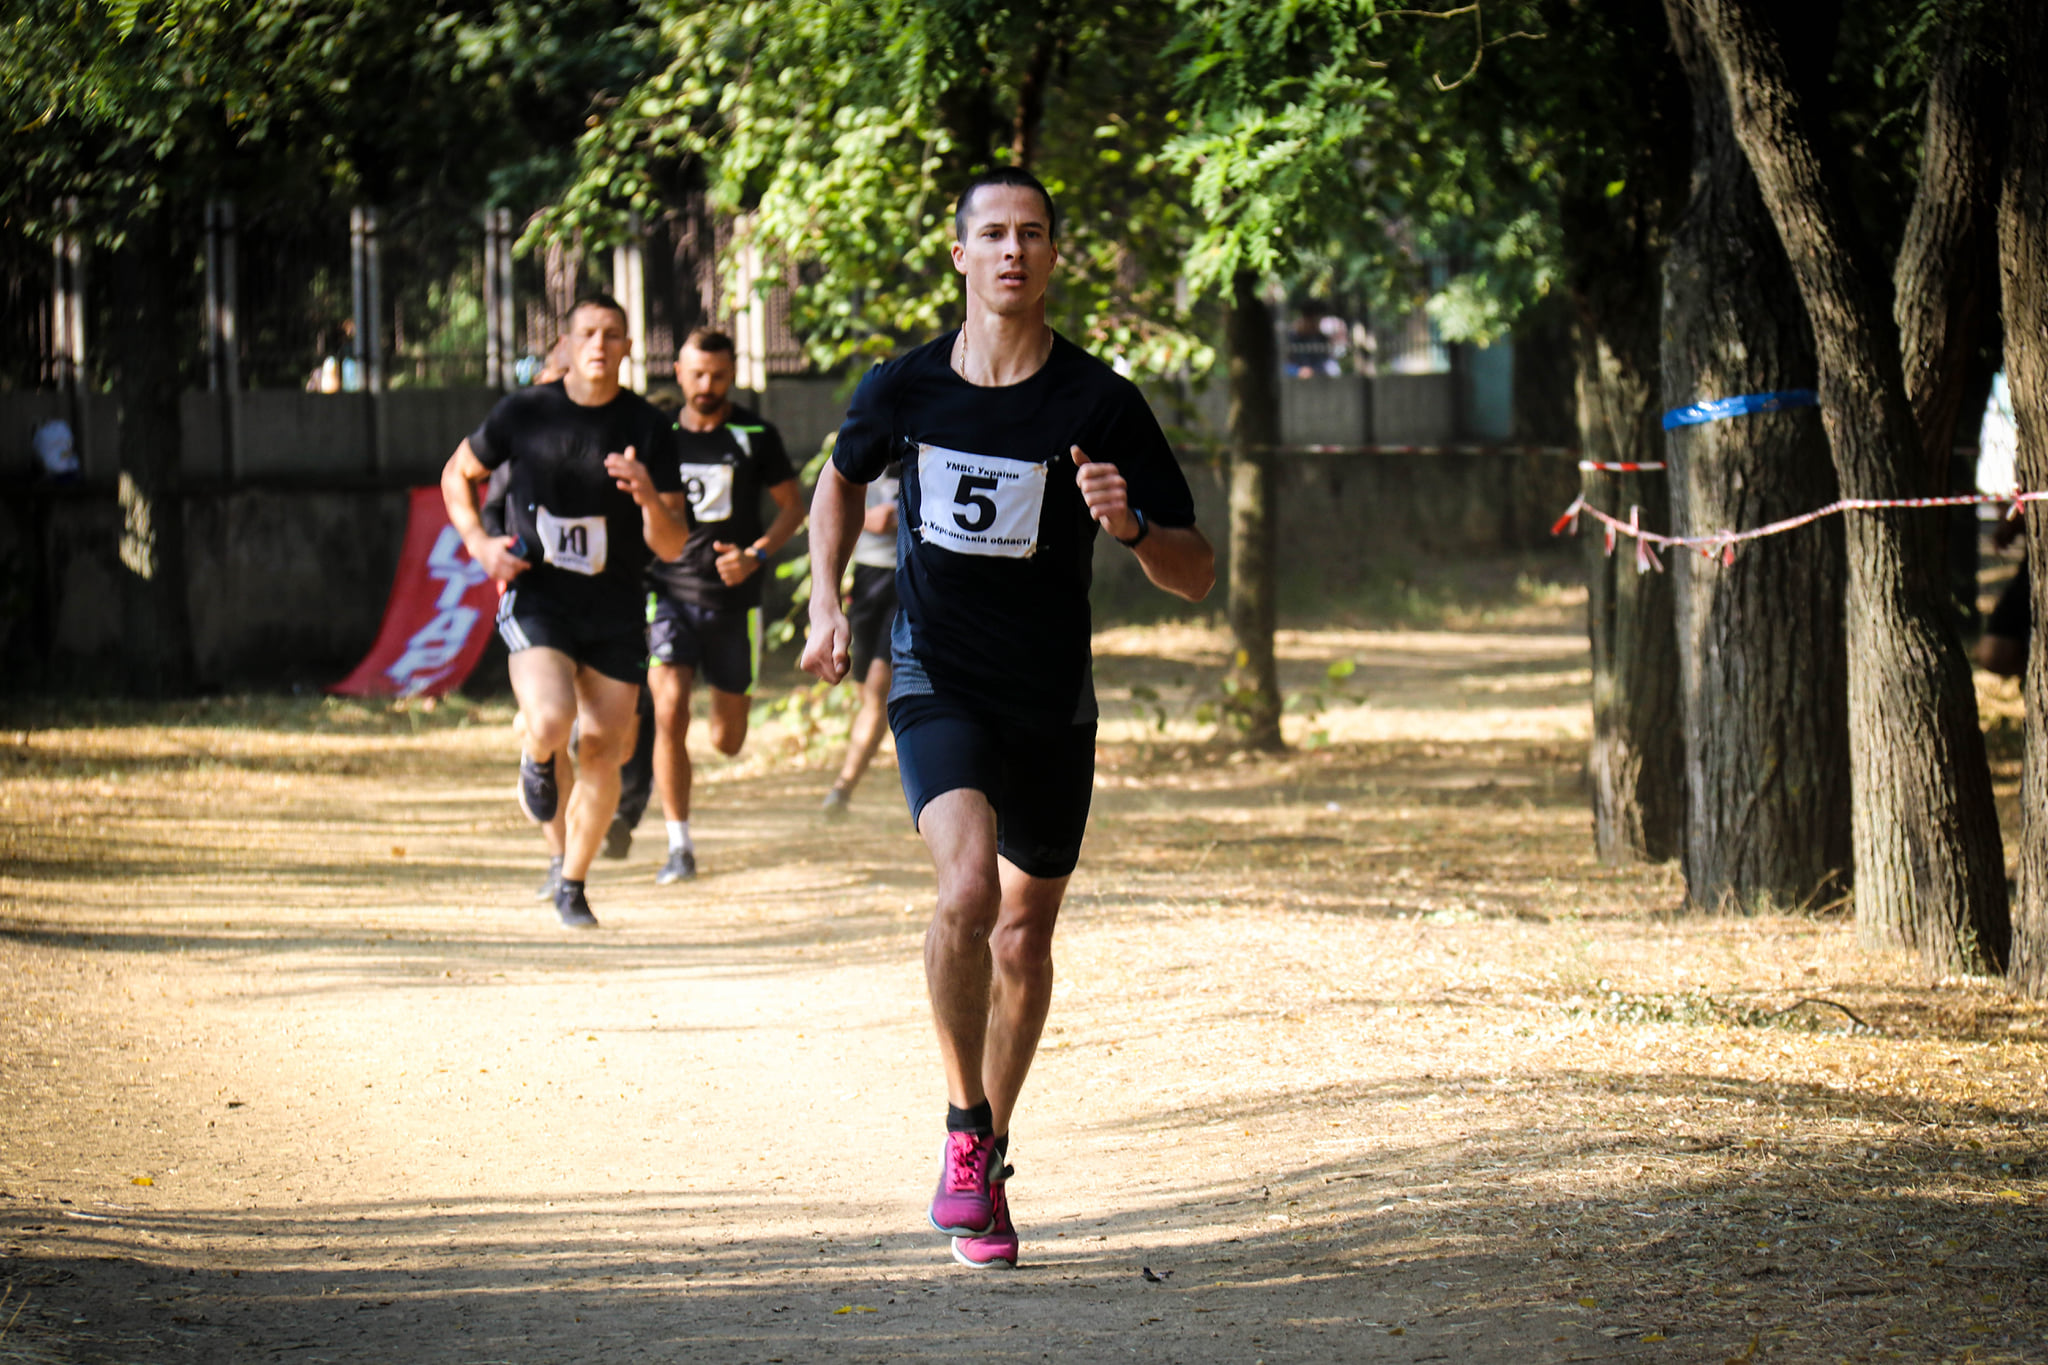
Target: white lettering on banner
[573, 543]
[979, 504]
[450, 562]
[432, 648]
[709, 489]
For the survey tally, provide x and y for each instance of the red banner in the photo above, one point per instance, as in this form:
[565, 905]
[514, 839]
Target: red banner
[439, 618]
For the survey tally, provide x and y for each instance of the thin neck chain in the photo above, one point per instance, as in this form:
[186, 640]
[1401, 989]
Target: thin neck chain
[1045, 343]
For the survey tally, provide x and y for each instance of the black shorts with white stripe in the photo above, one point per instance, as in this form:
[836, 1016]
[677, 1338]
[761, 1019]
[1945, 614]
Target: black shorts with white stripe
[525, 622]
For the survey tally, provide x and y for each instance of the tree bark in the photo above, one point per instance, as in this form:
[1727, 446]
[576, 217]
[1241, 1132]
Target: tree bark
[1760, 643]
[1030, 112]
[1635, 763]
[2023, 267]
[1945, 285]
[1930, 875]
[1945, 281]
[1620, 187]
[1254, 680]
[141, 347]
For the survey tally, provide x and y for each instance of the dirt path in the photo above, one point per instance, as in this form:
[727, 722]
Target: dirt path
[1357, 1051]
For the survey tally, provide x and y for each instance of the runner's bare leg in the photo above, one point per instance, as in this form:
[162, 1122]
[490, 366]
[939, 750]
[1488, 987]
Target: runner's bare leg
[554, 833]
[729, 714]
[1020, 992]
[544, 681]
[672, 774]
[987, 955]
[604, 736]
[868, 725]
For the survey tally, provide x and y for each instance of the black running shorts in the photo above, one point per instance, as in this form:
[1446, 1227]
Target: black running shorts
[1039, 779]
[720, 643]
[870, 612]
[529, 622]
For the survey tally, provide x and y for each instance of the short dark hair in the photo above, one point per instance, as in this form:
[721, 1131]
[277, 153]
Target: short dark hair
[597, 298]
[1004, 175]
[709, 340]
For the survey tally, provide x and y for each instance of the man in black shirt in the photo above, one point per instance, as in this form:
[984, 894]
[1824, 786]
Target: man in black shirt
[707, 602]
[594, 493]
[1016, 447]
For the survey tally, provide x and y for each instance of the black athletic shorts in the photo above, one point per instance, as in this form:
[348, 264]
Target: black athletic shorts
[1039, 779]
[870, 612]
[720, 643]
[614, 649]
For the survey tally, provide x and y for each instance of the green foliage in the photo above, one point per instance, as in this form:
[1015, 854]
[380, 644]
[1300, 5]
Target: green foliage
[1324, 149]
[838, 130]
[129, 105]
[812, 716]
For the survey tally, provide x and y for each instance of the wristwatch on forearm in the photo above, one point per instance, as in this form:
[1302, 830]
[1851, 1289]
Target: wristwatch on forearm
[1144, 529]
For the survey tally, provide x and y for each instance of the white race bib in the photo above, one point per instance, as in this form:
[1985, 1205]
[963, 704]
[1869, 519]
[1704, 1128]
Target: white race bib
[573, 543]
[979, 504]
[709, 489]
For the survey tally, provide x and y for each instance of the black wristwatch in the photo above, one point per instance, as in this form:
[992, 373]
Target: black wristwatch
[1144, 529]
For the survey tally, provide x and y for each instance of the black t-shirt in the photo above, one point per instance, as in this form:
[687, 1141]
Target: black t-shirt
[588, 547]
[994, 541]
[725, 471]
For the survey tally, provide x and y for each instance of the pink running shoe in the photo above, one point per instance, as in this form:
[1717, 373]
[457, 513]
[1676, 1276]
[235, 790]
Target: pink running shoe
[997, 1246]
[961, 1205]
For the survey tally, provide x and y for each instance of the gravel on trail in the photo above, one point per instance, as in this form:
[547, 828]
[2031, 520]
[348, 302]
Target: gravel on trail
[1355, 1055]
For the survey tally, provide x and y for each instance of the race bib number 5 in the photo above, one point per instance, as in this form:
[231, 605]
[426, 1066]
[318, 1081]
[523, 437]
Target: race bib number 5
[979, 504]
[573, 543]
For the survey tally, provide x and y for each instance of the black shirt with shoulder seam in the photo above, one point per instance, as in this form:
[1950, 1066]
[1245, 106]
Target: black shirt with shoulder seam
[726, 471]
[994, 541]
[555, 448]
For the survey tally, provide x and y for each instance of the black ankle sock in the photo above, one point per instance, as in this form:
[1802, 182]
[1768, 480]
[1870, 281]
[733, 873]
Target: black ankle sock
[979, 1119]
[1002, 1150]
[568, 885]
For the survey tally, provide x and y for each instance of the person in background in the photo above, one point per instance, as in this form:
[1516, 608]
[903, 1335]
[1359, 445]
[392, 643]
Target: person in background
[871, 615]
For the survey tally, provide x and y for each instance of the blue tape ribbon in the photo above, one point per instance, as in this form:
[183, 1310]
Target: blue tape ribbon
[1719, 409]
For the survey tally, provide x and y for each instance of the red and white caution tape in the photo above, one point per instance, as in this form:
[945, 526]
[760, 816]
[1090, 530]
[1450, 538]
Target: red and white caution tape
[1620, 466]
[1721, 544]
[1211, 447]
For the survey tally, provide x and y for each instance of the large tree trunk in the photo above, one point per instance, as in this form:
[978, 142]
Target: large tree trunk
[1944, 284]
[2023, 265]
[1760, 641]
[1254, 679]
[1635, 764]
[1620, 188]
[1930, 875]
[140, 349]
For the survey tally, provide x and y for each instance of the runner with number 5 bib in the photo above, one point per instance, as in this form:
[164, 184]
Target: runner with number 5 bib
[1017, 447]
[594, 493]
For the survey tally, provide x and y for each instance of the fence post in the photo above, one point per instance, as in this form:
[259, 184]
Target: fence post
[501, 344]
[67, 324]
[629, 281]
[223, 348]
[365, 263]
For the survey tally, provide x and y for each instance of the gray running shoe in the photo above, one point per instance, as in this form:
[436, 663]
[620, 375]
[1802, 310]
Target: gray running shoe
[680, 867]
[571, 908]
[836, 803]
[538, 794]
[554, 879]
[618, 840]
